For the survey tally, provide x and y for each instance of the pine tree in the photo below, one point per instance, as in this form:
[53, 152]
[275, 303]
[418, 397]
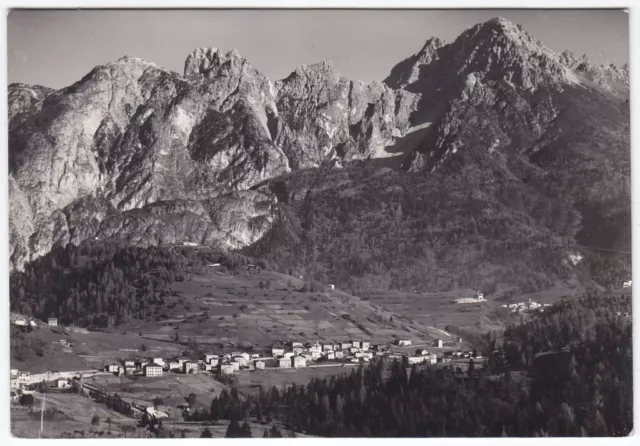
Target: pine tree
[245, 430]
[206, 433]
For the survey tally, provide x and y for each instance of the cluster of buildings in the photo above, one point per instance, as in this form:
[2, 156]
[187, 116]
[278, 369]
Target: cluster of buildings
[525, 306]
[21, 380]
[471, 300]
[18, 379]
[461, 354]
[422, 356]
[158, 366]
[297, 354]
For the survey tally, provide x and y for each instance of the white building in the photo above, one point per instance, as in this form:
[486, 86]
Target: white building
[437, 343]
[284, 363]
[298, 362]
[331, 355]
[159, 361]
[209, 357]
[235, 365]
[173, 365]
[626, 284]
[416, 359]
[242, 360]
[327, 347]
[129, 363]
[226, 369]
[339, 354]
[152, 370]
[112, 368]
[63, 383]
[20, 322]
[403, 342]
[316, 355]
[288, 355]
[298, 350]
[315, 348]
[277, 352]
[355, 344]
[365, 345]
[260, 365]
[345, 345]
[52, 321]
[189, 367]
[296, 344]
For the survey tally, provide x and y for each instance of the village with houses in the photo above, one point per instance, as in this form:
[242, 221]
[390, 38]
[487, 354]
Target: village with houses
[282, 356]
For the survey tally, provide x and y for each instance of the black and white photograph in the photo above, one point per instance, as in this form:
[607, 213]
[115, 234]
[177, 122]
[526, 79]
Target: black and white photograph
[306, 223]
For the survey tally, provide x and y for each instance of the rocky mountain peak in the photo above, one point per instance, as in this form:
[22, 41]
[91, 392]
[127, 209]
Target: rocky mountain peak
[204, 60]
[430, 48]
[604, 74]
[321, 70]
[130, 134]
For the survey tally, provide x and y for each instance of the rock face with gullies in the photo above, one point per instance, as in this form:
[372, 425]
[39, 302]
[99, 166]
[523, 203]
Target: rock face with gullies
[495, 89]
[131, 134]
[498, 99]
[511, 149]
[323, 116]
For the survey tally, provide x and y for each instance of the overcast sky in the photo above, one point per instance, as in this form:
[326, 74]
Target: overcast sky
[56, 48]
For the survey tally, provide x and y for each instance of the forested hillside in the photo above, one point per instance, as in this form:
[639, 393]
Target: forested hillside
[102, 285]
[475, 226]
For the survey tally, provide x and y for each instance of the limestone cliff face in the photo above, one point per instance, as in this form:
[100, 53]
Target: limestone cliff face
[324, 116]
[92, 159]
[138, 152]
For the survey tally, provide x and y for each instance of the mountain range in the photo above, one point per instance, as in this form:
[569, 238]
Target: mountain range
[490, 161]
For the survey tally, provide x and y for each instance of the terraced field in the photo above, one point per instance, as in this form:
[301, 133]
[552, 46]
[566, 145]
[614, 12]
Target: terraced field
[259, 308]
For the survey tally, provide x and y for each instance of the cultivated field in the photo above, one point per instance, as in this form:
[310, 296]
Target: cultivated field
[438, 310]
[69, 349]
[172, 388]
[227, 308]
[251, 381]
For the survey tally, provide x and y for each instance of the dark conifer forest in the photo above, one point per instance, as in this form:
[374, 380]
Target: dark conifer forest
[102, 285]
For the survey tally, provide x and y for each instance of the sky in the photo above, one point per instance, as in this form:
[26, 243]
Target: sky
[55, 48]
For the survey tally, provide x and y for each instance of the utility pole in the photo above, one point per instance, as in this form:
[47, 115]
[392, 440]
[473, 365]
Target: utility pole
[44, 397]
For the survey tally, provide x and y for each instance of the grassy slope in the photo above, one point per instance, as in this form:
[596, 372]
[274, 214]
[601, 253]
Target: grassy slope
[222, 307]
